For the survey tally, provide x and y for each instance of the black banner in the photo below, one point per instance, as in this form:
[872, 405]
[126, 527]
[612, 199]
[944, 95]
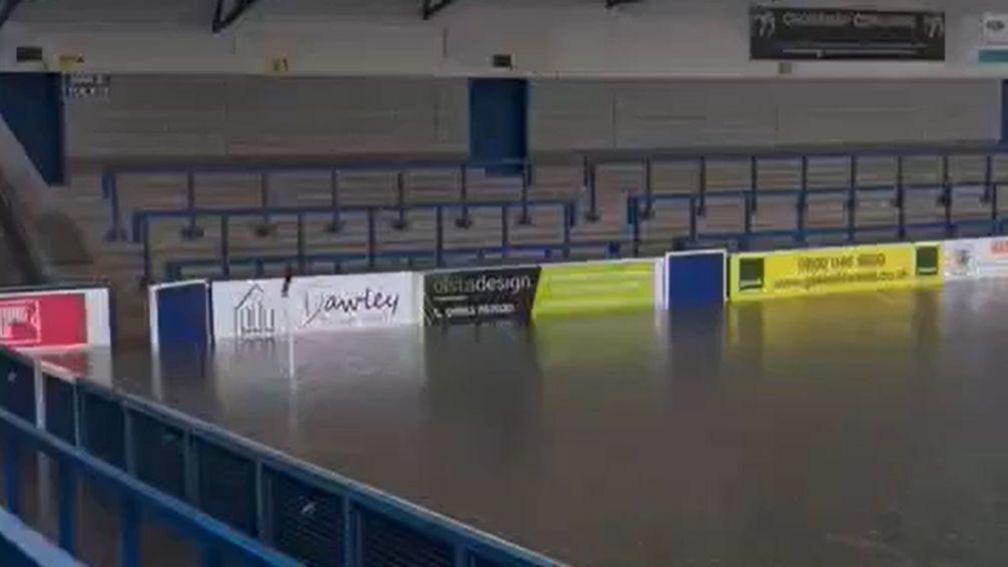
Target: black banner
[466, 296]
[807, 33]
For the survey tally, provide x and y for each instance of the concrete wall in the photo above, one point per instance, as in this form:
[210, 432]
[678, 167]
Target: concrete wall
[195, 115]
[671, 114]
[569, 38]
[199, 115]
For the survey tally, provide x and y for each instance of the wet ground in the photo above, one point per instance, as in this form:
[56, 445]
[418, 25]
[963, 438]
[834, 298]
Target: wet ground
[866, 429]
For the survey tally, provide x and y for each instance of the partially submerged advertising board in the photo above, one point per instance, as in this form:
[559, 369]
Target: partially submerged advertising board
[974, 259]
[55, 318]
[257, 309]
[829, 270]
[529, 292]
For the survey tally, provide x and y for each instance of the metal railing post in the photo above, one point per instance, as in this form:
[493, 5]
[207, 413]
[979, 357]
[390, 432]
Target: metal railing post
[852, 200]
[67, 497]
[900, 199]
[334, 201]
[463, 221]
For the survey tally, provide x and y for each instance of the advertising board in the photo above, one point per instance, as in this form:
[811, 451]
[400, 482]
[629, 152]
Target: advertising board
[55, 318]
[829, 270]
[972, 259]
[462, 296]
[594, 287]
[257, 309]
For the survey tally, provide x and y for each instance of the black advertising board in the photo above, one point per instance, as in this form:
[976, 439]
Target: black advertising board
[462, 296]
[814, 33]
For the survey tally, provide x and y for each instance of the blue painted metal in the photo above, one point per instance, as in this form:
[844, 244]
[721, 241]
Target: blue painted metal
[224, 16]
[349, 536]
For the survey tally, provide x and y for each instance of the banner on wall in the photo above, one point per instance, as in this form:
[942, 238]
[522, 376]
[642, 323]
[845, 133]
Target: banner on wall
[56, 318]
[257, 309]
[816, 34]
[829, 270]
[527, 292]
[975, 258]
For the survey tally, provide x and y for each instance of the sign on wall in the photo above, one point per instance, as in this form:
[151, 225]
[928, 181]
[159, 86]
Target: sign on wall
[829, 270]
[257, 309]
[817, 34]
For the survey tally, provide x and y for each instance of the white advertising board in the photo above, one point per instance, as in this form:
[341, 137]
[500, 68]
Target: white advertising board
[973, 259]
[257, 309]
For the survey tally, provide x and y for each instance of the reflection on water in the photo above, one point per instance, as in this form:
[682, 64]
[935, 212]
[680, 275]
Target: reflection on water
[863, 429]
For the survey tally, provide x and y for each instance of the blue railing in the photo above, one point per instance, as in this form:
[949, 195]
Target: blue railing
[436, 254]
[234, 498]
[641, 204]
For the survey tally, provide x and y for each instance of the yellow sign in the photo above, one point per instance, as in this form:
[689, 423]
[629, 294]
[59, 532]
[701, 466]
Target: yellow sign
[829, 270]
[593, 287]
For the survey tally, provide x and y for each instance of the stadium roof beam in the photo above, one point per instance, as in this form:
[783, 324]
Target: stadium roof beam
[613, 3]
[6, 9]
[225, 17]
[430, 7]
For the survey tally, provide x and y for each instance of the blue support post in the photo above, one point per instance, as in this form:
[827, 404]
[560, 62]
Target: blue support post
[505, 232]
[747, 234]
[946, 196]
[568, 223]
[648, 189]
[371, 238]
[802, 201]
[334, 201]
[192, 231]
[590, 184]
[526, 183]
[900, 199]
[754, 181]
[129, 527]
[633, 219]
[692, 219]
[439, 236]
[264, 202]
[145, 237]
[400, 222]
[300, 243]
[852, 200]
[225, 248]
[702, 203]
[67, 497]
[463, 221]
[12, 484]
[116, 231]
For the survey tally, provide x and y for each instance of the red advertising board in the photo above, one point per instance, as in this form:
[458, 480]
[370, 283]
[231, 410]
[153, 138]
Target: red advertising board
[52, 320]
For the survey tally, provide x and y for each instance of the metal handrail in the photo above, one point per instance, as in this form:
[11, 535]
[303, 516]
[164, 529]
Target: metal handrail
[468, 544]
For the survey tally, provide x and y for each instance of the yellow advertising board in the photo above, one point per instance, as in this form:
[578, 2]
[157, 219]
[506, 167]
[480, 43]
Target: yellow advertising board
[593, 287]
[830, 270]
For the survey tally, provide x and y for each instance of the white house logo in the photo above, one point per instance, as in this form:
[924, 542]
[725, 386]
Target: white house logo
[765, 23]
[253, 316]
[368, 305]
[20, 322]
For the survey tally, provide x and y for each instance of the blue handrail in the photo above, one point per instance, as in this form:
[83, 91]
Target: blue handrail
[74, 463]
[143, 219]
[146, 451]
